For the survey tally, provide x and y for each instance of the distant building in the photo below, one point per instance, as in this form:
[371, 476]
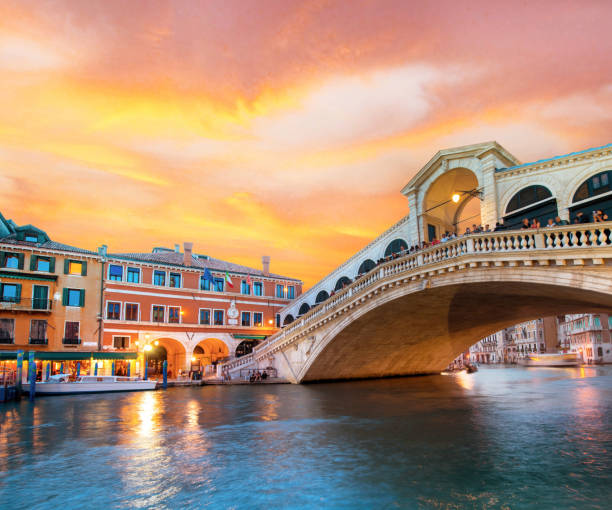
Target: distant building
[487, 350]
[589, 335]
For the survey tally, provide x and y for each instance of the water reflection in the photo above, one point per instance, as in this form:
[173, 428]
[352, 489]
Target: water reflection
[489, 440]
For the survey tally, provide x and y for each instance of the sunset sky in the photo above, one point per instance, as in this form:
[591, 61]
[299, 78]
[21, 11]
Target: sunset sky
[277, 127]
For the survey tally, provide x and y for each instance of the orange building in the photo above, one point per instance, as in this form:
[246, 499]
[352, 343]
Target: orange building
[49, 298]
[189, 309]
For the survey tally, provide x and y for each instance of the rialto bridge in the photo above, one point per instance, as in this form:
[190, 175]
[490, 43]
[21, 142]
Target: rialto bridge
[416, 312]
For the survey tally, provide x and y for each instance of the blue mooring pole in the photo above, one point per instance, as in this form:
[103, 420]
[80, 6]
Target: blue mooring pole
[129, 369]
[62, 368]
[32, 369]
[146, 367]
[113, 368]
[96, 368]
[78, 368]
[165, 374]
[48, 370]
[19, 374]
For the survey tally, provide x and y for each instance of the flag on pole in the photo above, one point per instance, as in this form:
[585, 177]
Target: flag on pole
[228, 280]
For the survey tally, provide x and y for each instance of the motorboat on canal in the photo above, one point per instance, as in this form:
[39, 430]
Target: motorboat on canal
[61, 384]
[567, 359]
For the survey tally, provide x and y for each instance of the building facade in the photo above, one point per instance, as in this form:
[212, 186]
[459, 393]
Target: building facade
[189, 309]
[589, 335]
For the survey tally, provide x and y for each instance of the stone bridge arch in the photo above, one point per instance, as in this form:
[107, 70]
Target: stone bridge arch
[415, 329]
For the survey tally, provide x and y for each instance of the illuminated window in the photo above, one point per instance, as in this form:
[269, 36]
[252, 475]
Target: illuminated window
[258, 319]
[75, 267]
[174, 314]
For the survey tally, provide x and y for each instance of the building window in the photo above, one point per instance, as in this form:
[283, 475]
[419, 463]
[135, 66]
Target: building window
[278, 320]
[43, 264]
[257, 289]
[11, 261]
[246, 319]
[74, 297]
[115, 273]
[75, 267]
[158, 313]
[131, 311]
[280, 291]
[113, 311]
[258, 319]
[204, 283]
[31, 239]
[175, 280]
[11, 292]
[159, 278]
[38, 331]
[205, 317]
[174, 314]
[133, 275]
[218, 317]
[219, 284]
[121, 342]
[7, 331]
[245, 288]
[291, 292]
[71, 333]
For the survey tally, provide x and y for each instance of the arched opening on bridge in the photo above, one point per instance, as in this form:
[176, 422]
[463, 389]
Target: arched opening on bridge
[396, 246]
[209, 351]
[366, 266]
[441, 213]
[167, 349]
[288, 319]
[321, 296]
[341, 283]
[533, 202]
[305, 308]
[593, 194]
[468, 214]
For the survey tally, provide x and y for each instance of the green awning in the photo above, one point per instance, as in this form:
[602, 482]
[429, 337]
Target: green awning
[250, 337]
[60, 356]
[28, 276]
[7, 355]
[115, 355]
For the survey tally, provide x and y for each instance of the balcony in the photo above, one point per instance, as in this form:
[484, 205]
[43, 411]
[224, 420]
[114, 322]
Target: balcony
[39, 341]
[71, 341]
[25, 304]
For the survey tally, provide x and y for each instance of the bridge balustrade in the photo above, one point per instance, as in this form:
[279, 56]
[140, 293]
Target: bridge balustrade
[554, 238]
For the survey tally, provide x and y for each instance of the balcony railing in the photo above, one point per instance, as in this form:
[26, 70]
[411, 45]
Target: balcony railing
[71, 341]
[5, 340]
[39, 341]
[25, 304]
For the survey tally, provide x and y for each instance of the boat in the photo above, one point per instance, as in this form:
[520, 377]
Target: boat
[567, 359]
[60, 384]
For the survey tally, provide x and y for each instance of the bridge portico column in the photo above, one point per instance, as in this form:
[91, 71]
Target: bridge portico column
[488, 207]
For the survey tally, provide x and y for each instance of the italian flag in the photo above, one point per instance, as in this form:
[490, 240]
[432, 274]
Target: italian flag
[228, 280]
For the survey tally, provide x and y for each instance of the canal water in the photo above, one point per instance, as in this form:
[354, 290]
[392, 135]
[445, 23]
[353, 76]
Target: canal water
[500, 438]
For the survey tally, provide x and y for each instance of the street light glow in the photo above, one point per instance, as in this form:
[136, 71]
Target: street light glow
[148, 347]
[456, 197]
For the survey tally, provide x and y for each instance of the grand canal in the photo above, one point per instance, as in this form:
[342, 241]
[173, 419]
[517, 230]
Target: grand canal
[500, 438]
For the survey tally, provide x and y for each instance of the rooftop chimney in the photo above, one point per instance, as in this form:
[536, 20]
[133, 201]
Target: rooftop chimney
[187, 247]
[265, 260]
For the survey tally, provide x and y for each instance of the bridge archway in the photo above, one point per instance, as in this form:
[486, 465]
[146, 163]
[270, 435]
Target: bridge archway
[321, 296]
[440, 212]
[341, 283]
[531, 202]
[395, 246]
[366, 266]
[411, 329]
[288, 319]
[168, 349]
[305, 308]
[595, 193]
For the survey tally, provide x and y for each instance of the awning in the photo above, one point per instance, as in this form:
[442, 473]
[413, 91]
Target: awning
[5, 355]
[115, 355]
[28, 276]
[250, 337]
